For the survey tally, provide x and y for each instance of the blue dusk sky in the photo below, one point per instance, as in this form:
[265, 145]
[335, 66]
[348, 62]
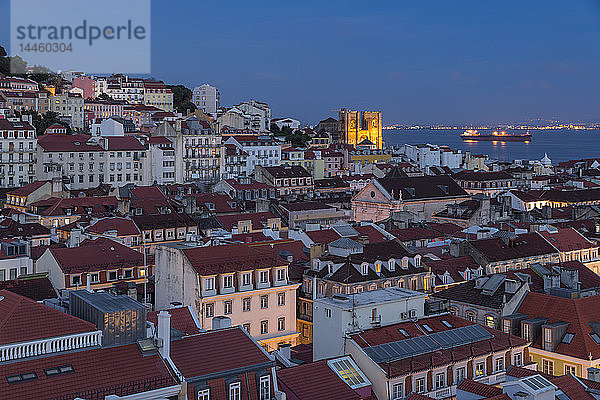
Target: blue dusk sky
[419, 61]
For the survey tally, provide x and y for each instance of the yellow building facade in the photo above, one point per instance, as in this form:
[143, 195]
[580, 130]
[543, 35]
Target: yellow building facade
[357, 126]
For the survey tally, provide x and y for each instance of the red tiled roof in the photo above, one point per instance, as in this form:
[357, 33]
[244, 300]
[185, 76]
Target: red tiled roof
[520, 372]
[124, 143]
[567, 239]
[96, 255]
[500, 341]
[454, 266]
[415, 233]
[314, 381]
[97, 371]
[579, 313]
[247, 186]
[181, 319]
[64, 142]
[478, 388]
[23, 319]
[222, 203]
[525, 245]
[374, 235]
[214, 260]
[257, 219]
[123, 226]
[77, 205]
[27, 189]
[240, 351]
[37, 289]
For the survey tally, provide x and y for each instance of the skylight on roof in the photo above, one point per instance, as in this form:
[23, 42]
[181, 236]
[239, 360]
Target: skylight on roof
[26, 376]
[345, 368]
[402, 331]
[568, 338]
[446, 323]
[595, 337]
[427, 328]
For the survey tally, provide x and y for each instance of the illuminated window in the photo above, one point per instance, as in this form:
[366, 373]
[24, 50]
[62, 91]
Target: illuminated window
[479, 370]
[489, 321]
[204, 394]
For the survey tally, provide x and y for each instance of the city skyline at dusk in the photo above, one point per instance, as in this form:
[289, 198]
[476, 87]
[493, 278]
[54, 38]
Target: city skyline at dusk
[427, 62]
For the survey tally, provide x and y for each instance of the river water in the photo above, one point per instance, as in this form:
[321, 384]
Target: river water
[560, 145]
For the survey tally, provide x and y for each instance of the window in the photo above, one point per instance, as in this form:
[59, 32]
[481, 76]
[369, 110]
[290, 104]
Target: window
[548, 335]
[281, 299]
[246, 326]
[94, 278]
[264, 276]
[209, 283]
[265, 388]
[209, 310]
[23, 271]
[328, 313]
[460, 374]
[548, 367]
[526, 332]
[479, 370]
[506, 326]
[13, 273]
[204, 394]
[235, 392]
[246, 279]
[499, 364]
[75, 280]
[427, 328]
[570, 369]
[228, 281]
[397, 391]
[518, 359]
[281, 274]
[112, 275]
[264, 327]
[227, 306]
[246, 304]
[128, 273]
[439, 380]
[2, 275]
[281, 324]
[264, 301]
[420, 385]
[489, 321]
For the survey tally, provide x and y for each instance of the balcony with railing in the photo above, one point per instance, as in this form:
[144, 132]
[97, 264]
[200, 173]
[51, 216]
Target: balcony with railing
[35, 348]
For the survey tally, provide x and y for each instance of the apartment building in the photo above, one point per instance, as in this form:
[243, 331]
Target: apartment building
[261, 149]
[18, 142]
[157, 94]
[86, 161]
[246, 284]
[100, 263]
[287, 180]
[25, 101]
[207, 98]
[449, 350]
[104, 108]
[564, 333]
[202, 151]
[69, 105]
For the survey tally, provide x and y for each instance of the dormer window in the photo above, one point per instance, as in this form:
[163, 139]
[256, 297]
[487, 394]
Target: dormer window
[364, 268]
[281, 274]
[392, 264]
[378, 267]
[417, 260]
[228, 281]
[209, 284]
[264, 276]
[405, 263]
[246, 279]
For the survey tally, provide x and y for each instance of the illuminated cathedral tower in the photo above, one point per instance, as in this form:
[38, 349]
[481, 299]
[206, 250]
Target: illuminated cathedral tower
[362, 128]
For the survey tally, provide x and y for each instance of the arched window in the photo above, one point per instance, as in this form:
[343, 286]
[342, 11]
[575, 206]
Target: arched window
[392, 264]
[364, 268]
[405, 263]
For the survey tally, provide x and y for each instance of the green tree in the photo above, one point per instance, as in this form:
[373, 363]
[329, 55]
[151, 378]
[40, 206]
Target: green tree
[41, 122]
[182, 99]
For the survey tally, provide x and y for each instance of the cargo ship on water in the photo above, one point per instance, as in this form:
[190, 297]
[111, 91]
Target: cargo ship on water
[495, 136]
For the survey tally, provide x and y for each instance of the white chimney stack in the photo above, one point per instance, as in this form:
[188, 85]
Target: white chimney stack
[164, 333]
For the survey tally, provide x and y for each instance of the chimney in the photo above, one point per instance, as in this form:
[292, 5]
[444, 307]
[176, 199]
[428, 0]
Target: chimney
[88, 285]
[593, 374]
[285, 351]
[551, 280]
[75, 238]
[164, 333]
[363, 239]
